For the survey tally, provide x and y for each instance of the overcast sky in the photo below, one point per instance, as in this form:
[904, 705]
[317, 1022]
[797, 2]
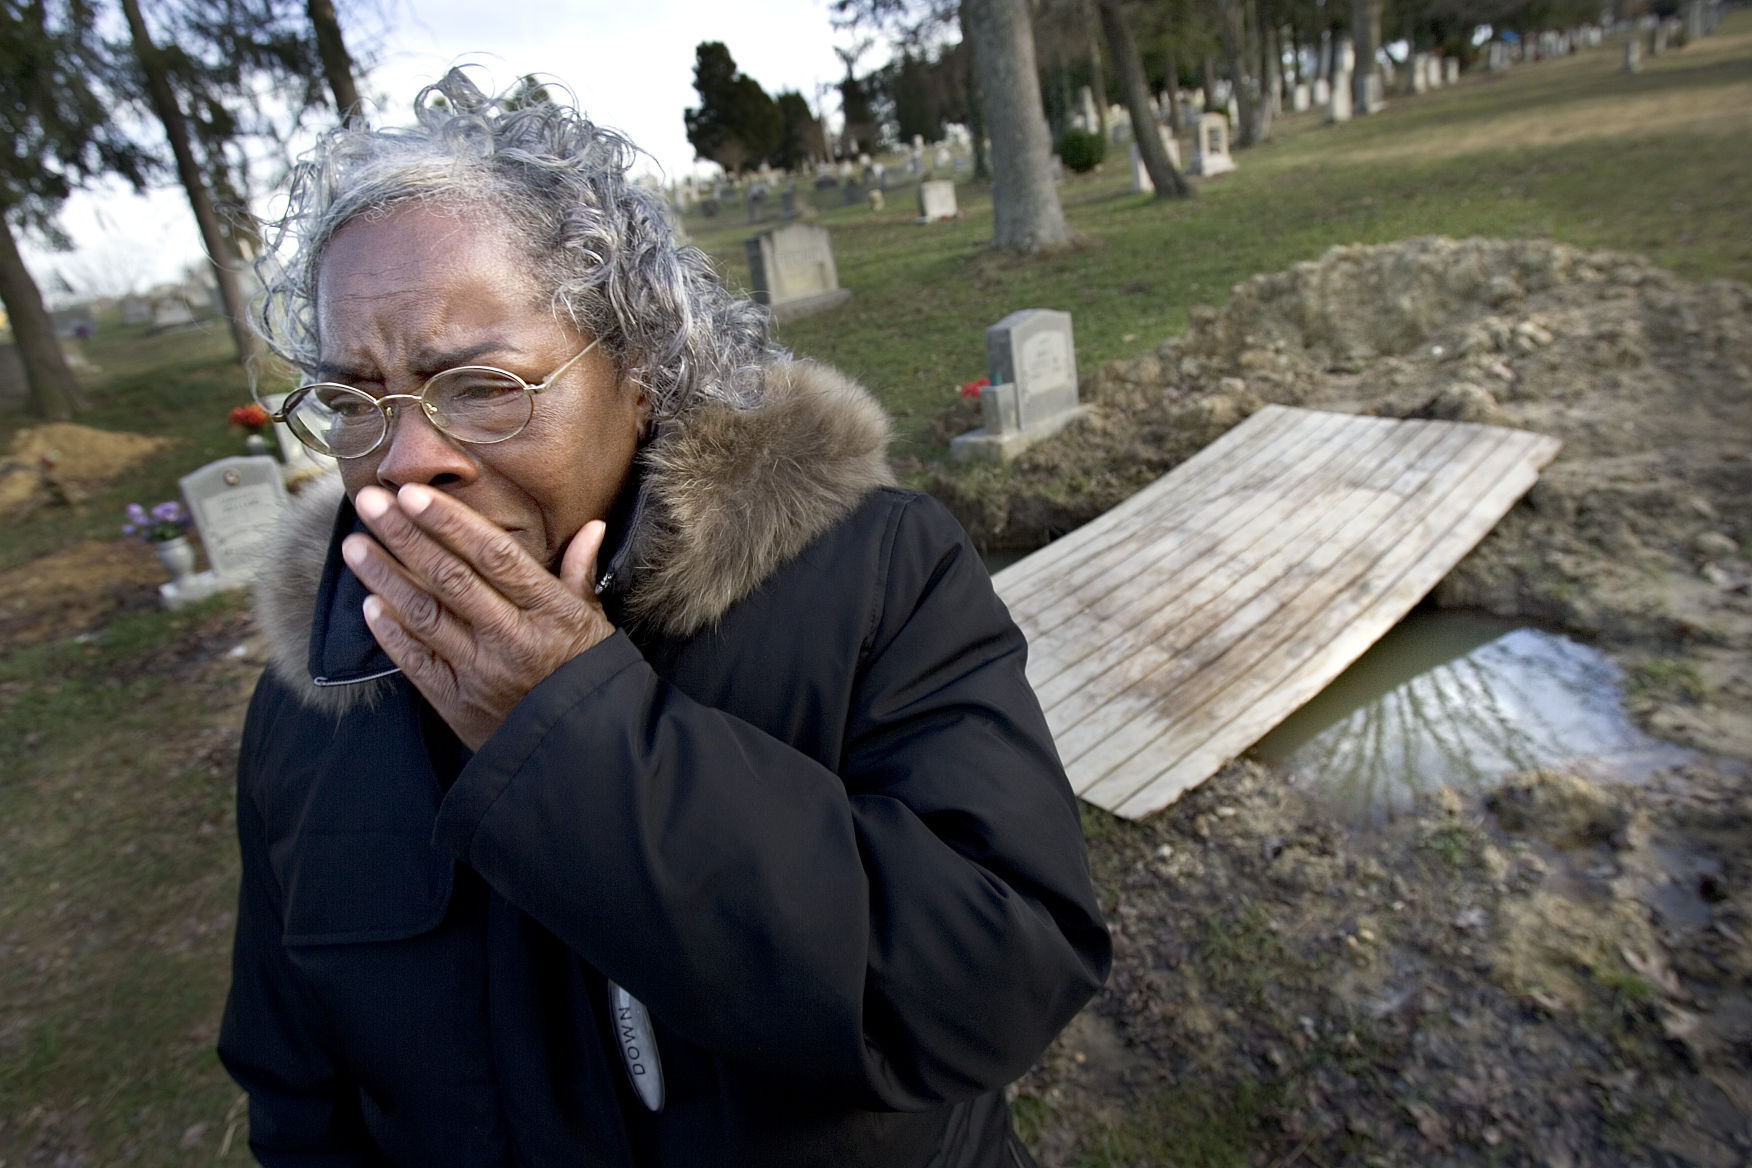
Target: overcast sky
[629, 63]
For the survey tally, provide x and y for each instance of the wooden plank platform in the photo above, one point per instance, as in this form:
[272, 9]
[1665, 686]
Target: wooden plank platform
[1168, 635]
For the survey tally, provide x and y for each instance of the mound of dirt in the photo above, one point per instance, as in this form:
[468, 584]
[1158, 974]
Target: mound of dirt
[1554, 973]
[78, 457]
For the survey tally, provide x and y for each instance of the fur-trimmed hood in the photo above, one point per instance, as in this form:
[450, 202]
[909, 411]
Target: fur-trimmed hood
[728, 496]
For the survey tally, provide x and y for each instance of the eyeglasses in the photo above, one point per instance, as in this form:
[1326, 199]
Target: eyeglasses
[471, 403]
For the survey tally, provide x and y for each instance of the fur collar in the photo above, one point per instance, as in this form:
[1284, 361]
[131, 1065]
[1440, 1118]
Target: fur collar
[731, 495]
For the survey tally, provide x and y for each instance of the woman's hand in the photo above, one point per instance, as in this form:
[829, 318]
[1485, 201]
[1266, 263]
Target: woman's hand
[471, 618]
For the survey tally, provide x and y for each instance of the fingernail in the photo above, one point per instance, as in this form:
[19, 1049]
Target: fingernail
[372, 607]
[372, 502]
[353, 550]
[415, 499]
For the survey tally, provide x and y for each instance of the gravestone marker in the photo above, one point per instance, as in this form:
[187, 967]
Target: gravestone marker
[136, 310]
[1210, 147]
[1450, 70]
[1633, 54]
[937, 200]
[235, 503]
[1300, 98]
[1322, 92]
[171, 312]
[1031, 360]
[792, 271]
[1142, 184]
[1338, 109]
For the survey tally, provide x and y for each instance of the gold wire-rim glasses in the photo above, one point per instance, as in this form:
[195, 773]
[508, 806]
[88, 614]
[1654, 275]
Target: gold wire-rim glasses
[289, 412]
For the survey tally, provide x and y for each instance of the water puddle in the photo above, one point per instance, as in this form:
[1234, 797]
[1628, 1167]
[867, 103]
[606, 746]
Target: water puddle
[1462, 700]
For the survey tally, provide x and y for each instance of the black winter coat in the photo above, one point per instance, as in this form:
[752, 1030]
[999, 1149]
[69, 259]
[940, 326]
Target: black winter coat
[814, 821]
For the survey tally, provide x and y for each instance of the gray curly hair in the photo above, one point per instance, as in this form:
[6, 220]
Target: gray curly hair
[601, 245]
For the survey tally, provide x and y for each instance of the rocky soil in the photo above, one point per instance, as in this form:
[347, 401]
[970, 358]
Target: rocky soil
[1553, 972]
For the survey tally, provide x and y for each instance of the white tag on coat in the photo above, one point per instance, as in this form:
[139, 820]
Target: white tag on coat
[638, 1044]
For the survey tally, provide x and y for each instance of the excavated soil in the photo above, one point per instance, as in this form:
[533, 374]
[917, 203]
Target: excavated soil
[1553, 972]
[58, 462]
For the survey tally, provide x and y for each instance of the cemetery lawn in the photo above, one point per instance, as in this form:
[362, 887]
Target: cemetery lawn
[1572, 150]
[119, 723]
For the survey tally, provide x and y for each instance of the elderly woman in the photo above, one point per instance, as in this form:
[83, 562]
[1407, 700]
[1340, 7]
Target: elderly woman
[641, 778]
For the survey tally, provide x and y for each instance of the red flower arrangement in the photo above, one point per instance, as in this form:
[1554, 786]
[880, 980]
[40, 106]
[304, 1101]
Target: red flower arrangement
[972, 388]
[251, 417]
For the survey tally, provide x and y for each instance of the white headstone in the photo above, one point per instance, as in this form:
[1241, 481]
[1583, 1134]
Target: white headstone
[1142, 184]
[1450, 70]
[235, 503]
[1300, 98]
[937, 200]
[1338, 108]
[1086, 110]
[792, 271]
[1210, 147]
[1322, 92]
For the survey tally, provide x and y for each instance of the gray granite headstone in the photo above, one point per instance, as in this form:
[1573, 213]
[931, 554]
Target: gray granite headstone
[1033, 351]
[235, 503]
[792, 271]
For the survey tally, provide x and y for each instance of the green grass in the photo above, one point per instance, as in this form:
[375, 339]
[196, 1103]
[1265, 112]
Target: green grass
[116, 863]
[1189, 1125]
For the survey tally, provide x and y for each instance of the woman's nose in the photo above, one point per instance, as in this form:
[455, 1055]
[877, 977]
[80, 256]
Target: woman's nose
[416, 451]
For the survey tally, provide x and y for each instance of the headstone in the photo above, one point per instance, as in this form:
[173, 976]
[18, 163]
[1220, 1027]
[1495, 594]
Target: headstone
[1086, 110]
[876, 199]
[1658, 40]
[75, 323]
[1345, 56]
[1633, 54]
[172, 312]
[913, 164]
[1338, 109]
[757, 201]
[960, 163]
[1210, 147]
[1450, 70]
[1372, 91]
[1142, 184]
[918, 142]
[1418, 74]
[1322, 92]
[941, 159]
[1234, 108]
[1031, 360]
[135, 310]
[1300, 98]
[235, 503]
[792, 271]
[937, 200]
[851, 194]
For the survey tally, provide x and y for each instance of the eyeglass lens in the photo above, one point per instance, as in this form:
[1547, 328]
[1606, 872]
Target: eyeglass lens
[471, 404]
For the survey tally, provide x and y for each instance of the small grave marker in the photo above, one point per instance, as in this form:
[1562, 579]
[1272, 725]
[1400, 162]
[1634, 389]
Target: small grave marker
[937, 200]
[235, 503]
[1141, 182]
[1210, 147]
[792, 271]
[1031, 360]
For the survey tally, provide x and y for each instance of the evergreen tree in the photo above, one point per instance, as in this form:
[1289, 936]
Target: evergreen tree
[800, 139]
[55, 113]
[736, 124]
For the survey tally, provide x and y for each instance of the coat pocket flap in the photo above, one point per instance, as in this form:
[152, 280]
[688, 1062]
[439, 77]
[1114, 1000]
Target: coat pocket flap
[352, 887]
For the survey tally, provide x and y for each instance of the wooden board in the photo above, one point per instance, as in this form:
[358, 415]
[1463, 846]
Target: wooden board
[1168, 635]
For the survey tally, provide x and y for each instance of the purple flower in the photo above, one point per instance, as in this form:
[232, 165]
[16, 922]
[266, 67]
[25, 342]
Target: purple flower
[168, 512]
[136, 515]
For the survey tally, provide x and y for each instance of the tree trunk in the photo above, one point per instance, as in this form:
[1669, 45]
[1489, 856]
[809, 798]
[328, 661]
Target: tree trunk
[1366, 40]
[337, 65]
[1231, 26]
[1169, 182]
[1097, 78]
[54, 394]
[1259, 54]
[1026, 215]
[164, 105]
[975, 108]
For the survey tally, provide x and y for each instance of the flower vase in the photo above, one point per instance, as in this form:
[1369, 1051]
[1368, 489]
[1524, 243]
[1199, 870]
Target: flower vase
[177, 555]
[255, 445]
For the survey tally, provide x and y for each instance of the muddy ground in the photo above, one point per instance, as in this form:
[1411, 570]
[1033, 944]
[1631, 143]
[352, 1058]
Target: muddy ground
[1550, 973]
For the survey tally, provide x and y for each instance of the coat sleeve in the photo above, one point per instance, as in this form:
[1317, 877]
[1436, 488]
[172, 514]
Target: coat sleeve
[302, 1112]
[907, 928]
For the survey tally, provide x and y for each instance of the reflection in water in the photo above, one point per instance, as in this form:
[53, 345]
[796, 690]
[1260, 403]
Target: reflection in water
[1461, 700]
